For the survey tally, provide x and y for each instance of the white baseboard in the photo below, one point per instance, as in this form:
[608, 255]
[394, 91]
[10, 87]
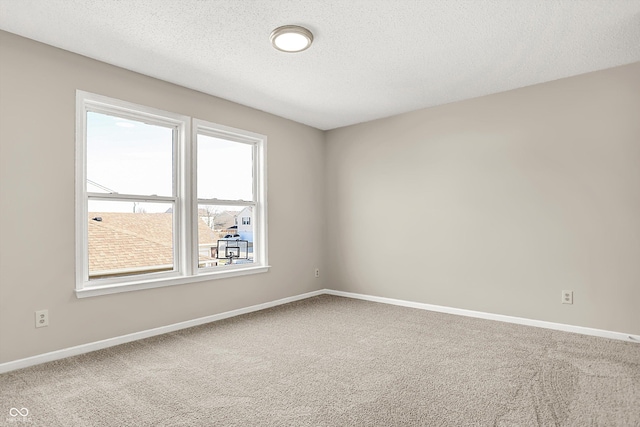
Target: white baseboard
[98, 345]
[490, 316]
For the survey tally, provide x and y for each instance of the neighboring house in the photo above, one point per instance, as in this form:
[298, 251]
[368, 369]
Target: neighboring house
[222, 223]
[128, 243]
[245, 224]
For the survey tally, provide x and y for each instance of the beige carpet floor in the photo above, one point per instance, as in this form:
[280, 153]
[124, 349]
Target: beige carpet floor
[331, 361]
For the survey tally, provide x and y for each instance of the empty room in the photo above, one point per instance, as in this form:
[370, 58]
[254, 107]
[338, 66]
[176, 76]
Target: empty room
[320, 213]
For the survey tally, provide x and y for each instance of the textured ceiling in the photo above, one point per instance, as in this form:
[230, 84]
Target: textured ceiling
[370, 58]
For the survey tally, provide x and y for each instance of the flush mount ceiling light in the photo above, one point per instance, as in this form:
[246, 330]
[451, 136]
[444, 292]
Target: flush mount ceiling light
[291, 38]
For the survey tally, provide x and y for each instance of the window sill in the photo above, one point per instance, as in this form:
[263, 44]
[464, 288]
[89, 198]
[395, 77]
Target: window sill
[95, 291]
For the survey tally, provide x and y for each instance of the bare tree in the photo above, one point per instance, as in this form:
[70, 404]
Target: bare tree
[212, 217]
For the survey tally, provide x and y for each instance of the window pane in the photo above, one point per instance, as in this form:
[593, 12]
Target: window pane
[128, 156]
[225, 235]
[225, 169]
[127, 238]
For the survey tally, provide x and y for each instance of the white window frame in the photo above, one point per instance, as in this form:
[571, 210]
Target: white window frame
[184, 199]
[258, 143]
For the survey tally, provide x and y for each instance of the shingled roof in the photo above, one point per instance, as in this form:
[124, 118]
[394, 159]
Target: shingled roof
[134, 241]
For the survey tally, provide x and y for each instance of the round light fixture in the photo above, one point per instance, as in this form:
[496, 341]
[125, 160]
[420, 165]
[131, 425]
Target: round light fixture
[291, 38]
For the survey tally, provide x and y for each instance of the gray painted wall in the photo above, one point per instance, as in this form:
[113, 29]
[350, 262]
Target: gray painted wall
[37, 124]
[498, 203]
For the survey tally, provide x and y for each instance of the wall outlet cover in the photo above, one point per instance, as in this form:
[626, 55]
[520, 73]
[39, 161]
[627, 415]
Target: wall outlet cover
[567, 297]
[42, 318]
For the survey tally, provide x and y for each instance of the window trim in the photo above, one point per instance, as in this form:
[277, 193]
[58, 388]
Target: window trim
[184, 198]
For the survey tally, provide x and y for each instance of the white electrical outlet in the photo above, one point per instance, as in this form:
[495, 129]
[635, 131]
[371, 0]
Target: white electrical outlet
[317, 272]
[567, 297]
[42, 318]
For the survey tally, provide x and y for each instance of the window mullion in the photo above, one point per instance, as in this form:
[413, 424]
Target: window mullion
[185, 187]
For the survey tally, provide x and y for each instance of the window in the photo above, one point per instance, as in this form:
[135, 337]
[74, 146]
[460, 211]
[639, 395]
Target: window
[158, 204]
[227, 189]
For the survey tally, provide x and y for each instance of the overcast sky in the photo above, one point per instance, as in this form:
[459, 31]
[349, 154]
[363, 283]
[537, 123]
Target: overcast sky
[131, 157]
